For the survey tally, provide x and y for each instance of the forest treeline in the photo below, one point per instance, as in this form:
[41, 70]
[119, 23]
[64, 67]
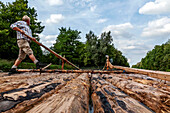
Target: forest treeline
[68, 44]
[156, 59]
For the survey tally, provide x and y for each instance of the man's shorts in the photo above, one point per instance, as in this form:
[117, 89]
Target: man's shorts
[24, 49]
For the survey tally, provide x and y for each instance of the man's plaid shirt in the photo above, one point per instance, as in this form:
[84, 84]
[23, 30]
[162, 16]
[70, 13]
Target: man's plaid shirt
[23, 26]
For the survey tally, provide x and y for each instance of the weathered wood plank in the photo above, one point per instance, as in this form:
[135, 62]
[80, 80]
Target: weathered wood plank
[156, 74]
[25, 80]
[153, 97]
[37, 88]
[161, 85]
[69, 92]
[73, 98]
[108, 99]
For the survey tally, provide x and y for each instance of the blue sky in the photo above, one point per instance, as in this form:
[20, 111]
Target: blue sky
[136, 25]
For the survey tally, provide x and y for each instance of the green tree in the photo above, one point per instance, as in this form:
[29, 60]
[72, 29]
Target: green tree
[157, 59]
[96, 48]
[68, 45]
[89, 49]
[10, 13]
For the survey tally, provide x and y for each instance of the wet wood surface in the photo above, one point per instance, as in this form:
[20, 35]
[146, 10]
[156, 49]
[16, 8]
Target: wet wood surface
[33, 92]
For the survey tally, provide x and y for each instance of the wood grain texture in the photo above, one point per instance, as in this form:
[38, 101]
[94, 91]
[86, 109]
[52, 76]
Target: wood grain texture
[156, 98]
[109, 99]
[155, 74]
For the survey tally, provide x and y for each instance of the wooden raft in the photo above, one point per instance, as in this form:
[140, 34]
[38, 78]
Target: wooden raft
[75, 92]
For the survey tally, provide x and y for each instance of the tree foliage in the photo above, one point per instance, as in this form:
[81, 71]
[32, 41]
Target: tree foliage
[157, 59]
[10, 13]
[90, 53]
[67, 45]
[96, 48]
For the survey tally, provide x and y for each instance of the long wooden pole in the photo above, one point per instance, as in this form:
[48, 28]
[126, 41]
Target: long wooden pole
[69, 71]
[51, 51]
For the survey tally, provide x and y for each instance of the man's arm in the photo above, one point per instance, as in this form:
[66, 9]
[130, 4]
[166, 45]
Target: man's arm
[15, 25]
[17, 29]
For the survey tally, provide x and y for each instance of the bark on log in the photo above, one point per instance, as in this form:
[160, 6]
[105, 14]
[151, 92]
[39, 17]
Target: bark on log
[32, 92]
[73, 98]
[155, 98]
[108, 99]
[35, 89]
[25, 80]
[161, 85]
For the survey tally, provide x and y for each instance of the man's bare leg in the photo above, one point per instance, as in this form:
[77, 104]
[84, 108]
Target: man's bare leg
[17, 62]
[32, 57]
[38, 64]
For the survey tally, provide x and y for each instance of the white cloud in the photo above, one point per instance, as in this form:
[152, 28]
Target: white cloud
[157, 7]
[120, 30]
[49, 43]
[50, 37]
[157, 28]
[55, 18]
[129, 60]
[129, 47]
[92, 8]
[81, 2]
[54, 2]
[134, 49]
[48, 40]
[101, 20]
